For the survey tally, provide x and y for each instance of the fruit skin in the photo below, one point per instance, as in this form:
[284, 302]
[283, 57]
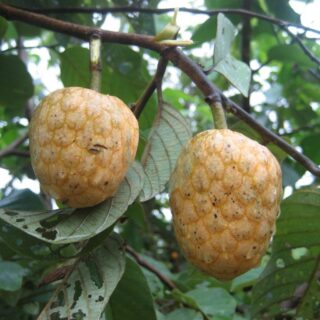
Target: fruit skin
[81, 145]
[225, 194]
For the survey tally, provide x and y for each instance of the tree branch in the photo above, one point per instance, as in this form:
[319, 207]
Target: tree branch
[132, 9]
[78, 31]
[150, 267]
[302, 45]
[11, 148]
[175, 55]
[140, 104]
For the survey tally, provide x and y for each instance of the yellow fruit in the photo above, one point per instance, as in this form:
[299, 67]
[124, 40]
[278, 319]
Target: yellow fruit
[81, 144]
[224, 194]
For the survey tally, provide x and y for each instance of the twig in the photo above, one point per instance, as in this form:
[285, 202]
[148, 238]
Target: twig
[315, 74]
[151, 268]
[78, 31]
[131, 9]
[11, 148]
[140, 104]
[245, 50]
[261, 66]
[305, 49]
[95, 62]
[208, 89]
[219, 117]
[177, 57]
[55, 275]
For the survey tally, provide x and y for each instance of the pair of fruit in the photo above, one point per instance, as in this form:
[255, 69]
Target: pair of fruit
[224, 192]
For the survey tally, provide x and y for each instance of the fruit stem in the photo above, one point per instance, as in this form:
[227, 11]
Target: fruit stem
[219, 117]
[95, 62]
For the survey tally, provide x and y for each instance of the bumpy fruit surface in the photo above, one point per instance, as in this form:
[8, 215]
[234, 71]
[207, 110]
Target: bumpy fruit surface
[82, 143]
[224, 194]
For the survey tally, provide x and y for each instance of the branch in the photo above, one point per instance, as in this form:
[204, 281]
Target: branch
[55, 275]
[78, 31]
[177, 57]
[140, 104]
[150, 267]
[210, 91]
[11, 148]
[131, 9]
[302, 45]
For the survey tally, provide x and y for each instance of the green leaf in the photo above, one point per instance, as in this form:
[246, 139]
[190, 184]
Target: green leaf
[290, 54]
[237, 72]
[135, 226]
[225, 36]
[74, 65]
[23, 199]
[123, 75]
[11, 275]
[16, 85]
[85, 291]
[206, 31]
[310, 147]
[213, 301]
[288, 281]
[282, 10]
[168, 135]
[247, 279]
[72, 225]
[3, 27]
[184, 314]
[24, 244]
[19, 241]
[191, 277]
[289, 175]
[132, 298]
